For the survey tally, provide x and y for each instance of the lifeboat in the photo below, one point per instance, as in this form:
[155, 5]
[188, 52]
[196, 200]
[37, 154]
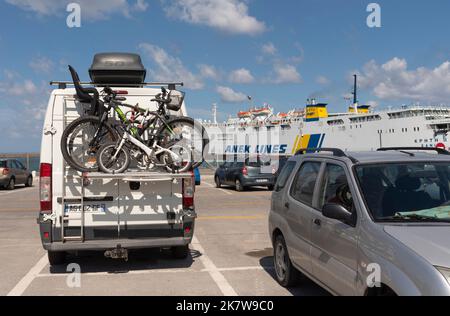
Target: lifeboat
[261, 112]
[244, 114]
[298, 113]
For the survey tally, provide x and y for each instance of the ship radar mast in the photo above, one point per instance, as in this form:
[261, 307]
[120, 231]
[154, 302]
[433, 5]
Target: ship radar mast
[355, 93]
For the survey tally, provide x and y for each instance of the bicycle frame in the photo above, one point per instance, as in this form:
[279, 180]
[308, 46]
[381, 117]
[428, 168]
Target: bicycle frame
[150, 152]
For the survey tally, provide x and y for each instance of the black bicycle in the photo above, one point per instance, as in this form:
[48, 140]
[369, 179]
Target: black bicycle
[83, 138]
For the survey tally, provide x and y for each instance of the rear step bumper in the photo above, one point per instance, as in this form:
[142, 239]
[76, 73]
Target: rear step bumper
[99, 245]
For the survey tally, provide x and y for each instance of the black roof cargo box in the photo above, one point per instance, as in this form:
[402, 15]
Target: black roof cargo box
[117, 69]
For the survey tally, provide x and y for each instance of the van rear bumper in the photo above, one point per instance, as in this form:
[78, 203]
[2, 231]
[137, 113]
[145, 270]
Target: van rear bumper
[97, 245]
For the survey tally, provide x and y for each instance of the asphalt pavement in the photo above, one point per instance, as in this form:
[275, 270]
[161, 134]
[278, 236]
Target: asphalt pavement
[231, 254]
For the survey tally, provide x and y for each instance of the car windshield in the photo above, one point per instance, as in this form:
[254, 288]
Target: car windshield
[405, 192]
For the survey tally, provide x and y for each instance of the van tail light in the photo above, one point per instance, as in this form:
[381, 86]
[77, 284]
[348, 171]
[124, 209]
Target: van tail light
[188, 192]
[121, 92]
[45, 186]
[5, 172]
[245, 171]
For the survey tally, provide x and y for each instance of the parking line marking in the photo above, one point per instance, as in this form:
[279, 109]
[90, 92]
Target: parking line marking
[212, 186]
[25, 282]
[216, 275]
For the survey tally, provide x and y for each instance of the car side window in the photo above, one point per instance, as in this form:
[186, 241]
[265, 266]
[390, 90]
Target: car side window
[11, 164]
[305, 181]
[19, 165]
[284, 175]
[335, 188]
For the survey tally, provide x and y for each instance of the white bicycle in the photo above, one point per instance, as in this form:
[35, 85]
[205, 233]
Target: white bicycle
[174, 143]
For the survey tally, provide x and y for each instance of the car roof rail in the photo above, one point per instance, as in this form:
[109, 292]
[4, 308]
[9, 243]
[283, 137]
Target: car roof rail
[335, 151]
[440, 151]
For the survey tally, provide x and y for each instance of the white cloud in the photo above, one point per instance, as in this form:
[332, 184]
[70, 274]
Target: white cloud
[18, 88]
[394, 81]
[322, 80]
[169, 68]
[41, 64]
[230, 96]
[230, 16]
[208, 72]
[140, 6]
[23, 101]
[285, 73]
[243, 76]
[90, 9]
[269, 49]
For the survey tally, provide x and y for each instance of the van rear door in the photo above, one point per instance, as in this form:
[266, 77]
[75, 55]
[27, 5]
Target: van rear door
[151, 207]
[100, 195]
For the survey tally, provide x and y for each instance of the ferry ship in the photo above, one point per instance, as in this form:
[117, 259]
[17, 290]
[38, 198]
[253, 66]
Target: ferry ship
[262, 131]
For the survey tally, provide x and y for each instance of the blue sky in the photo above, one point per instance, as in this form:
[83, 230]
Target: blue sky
[279, 52]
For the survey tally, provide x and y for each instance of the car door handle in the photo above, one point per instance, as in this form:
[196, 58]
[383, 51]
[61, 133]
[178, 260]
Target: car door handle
[317, 222]
[287, 205]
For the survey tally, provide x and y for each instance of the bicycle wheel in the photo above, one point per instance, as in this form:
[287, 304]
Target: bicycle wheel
[111, 161]
[79, 145]
[188, 134]
[178, 160]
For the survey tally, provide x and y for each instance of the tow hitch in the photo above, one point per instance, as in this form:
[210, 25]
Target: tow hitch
[117, 253]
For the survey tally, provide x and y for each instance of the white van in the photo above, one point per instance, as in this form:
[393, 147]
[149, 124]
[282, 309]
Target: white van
[111, 213]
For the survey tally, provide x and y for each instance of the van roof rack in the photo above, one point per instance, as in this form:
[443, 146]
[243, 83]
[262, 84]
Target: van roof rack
[440, 151]
[171, 85]
[335, 151]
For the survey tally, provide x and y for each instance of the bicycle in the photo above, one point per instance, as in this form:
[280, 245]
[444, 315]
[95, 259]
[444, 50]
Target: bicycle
[83, 138]
[161, 149]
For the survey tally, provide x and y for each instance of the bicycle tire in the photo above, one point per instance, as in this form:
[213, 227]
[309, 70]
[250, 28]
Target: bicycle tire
[113, 136]
[187, 121]
[107, 169]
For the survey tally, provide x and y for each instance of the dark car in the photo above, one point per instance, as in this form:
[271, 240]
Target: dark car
[253, 172]
[12, 173]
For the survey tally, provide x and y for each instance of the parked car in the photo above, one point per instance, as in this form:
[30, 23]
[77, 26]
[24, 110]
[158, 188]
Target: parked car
[13, 173]
[251, 172]
[374, 223]
[197, 176]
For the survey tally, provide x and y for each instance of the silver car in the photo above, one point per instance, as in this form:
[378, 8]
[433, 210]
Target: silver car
[13, 173]
[367, 223]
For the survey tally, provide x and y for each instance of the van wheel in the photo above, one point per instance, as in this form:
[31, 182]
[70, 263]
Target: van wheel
[11, 184]
[180, 252]
[286, 274]
[56, 258]
[239, 186]
[218, 184]
[29, 182]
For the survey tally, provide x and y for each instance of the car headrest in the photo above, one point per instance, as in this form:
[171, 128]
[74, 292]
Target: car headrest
[408, 183]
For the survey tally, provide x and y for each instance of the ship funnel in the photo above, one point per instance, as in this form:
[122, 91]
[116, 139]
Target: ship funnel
[315, 111]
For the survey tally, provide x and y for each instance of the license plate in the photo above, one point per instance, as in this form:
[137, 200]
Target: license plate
[90, 208]
[262, 180]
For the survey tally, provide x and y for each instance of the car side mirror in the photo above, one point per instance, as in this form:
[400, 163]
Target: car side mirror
[337, 212]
